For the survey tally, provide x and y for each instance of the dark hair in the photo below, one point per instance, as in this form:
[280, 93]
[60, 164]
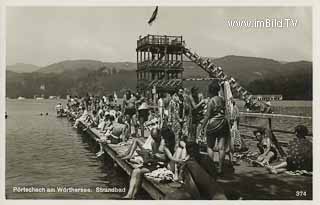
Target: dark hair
[162, 95]
[169, 138]
[213, 88]
[107, 117]
[111, 118]
[193, 150]
[301, 130]
[121, 119]
[261, 130]
[194, 90]
[128, 94]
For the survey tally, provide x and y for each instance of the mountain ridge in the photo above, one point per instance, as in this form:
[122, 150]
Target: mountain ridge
[80, 76]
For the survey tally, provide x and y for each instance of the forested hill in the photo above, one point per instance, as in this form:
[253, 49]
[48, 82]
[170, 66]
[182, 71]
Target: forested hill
[259, 75]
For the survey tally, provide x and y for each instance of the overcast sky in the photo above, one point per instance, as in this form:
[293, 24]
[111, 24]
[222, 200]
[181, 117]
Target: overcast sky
[46, 35]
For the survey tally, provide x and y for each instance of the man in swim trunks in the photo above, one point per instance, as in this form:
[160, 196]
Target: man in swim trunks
[129, 105]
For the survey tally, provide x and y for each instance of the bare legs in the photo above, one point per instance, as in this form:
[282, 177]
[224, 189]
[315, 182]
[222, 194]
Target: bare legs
[135, 182]
[136, 143]
[129, 123]
[179, 154]
[282, 167]
[265, 159]
[221, 147]
[141, 122]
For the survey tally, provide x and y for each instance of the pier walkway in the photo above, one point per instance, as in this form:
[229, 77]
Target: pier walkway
[254, 183]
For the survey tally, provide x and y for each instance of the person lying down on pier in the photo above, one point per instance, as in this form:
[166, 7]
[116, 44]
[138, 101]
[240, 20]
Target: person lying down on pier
[157, 157]
[116, 132]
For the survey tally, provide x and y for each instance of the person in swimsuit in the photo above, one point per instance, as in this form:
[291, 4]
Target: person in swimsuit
[268, 152]
[143, 113]
[174, 120]
[187, 115]
[161, 108]
[198, 183]
[129, 105]
[215, 124]
[299, 154]
[197, 107]
[157, 153]
[116, 132]
[175, 153]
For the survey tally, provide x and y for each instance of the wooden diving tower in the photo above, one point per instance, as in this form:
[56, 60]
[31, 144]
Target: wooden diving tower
[159, 63]
[160, 66]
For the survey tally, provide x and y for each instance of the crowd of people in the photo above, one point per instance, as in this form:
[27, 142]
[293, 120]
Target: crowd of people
[177, 125]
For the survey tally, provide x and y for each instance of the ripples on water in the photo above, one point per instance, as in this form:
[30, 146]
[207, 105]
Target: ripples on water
[45, 151]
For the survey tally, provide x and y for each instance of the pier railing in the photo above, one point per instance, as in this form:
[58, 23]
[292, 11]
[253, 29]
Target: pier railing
[160, 40]
[283, 135]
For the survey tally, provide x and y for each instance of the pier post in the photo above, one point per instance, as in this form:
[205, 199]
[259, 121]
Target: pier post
[269, 123]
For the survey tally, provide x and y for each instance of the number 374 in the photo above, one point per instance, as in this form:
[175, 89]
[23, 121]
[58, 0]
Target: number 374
[301, 193]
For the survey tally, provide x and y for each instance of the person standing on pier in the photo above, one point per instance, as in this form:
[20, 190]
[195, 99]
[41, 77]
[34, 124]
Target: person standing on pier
[129, 106]
[197, 106]
[161, 107]
[187, 114]
[215, 124]
[174, 117]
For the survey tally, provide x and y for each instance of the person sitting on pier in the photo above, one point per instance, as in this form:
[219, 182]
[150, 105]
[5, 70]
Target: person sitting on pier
[83, 117]
[198, 183]
[92, 120]
[299, 154]
[274, 140]
[267, 149]
[215, 124]
[175, 151]
[153, 155]
[103, 121]
[116, 132]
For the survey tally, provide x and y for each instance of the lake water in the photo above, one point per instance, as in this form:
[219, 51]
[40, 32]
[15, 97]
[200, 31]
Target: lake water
[46, 152]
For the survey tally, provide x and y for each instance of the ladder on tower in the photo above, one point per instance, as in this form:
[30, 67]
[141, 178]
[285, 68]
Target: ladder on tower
[215, 71]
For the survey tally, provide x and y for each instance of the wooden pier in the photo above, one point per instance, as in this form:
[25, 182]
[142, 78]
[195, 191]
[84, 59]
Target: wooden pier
[154, 189]
[254, 183]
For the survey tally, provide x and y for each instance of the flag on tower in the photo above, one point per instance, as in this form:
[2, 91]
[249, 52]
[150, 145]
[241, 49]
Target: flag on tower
[154, 16]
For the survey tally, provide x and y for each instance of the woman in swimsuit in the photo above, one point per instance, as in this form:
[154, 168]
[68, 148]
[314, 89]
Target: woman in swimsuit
[215, 124]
